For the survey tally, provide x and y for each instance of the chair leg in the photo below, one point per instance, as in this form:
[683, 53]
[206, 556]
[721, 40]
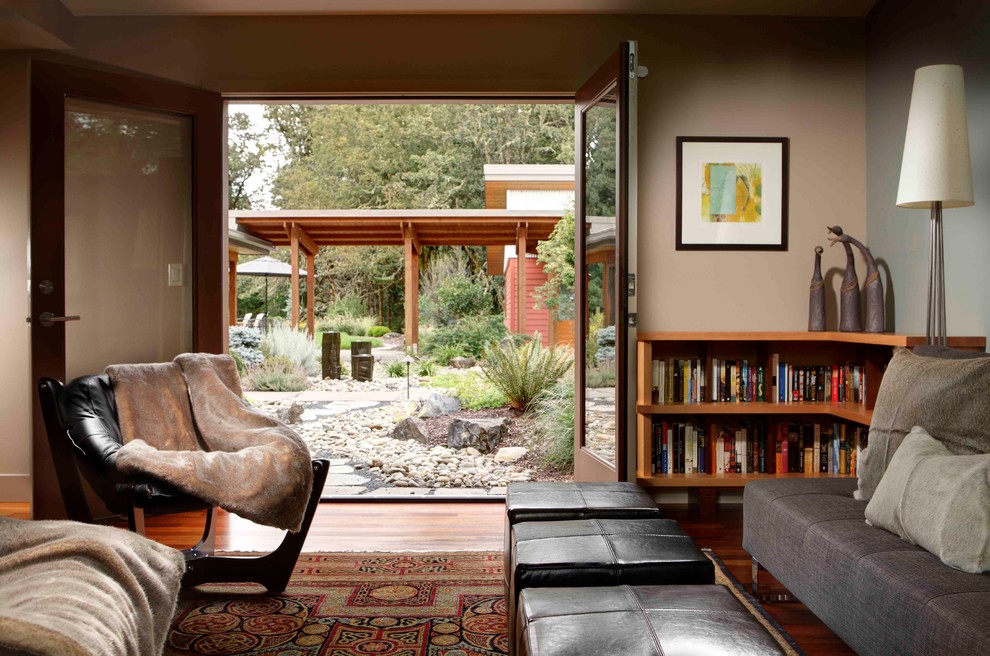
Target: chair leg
[271, 570]
[207, 545]
[135, 520]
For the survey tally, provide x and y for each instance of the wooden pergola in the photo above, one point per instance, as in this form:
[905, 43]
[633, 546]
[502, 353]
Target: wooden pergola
[309, 230]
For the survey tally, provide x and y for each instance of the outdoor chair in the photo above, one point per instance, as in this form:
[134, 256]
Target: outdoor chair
[261, 322]
[84, 436]
[246, 321]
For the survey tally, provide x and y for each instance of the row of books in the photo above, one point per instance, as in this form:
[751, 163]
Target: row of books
[678, 380]
[755, 447]
[824, 383]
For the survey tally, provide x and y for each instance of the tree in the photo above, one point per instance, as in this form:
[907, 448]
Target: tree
[246, 148]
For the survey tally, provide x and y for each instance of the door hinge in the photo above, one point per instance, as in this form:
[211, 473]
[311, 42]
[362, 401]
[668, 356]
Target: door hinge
[632, 66]
[632, 320]
[631, 284]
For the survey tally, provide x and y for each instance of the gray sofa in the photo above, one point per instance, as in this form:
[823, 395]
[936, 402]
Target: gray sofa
[880, 594]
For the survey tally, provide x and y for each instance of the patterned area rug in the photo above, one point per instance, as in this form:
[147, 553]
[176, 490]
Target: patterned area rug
[381, 604]
[386, 604]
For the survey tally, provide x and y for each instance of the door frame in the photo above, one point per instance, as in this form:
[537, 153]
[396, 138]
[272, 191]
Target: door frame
[620, 70]
[51, 84]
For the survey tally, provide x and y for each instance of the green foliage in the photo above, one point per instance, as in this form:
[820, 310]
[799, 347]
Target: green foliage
[602, 375]
[473, 391]
[444, 354]
[426, 367]
[378, 331]
[396, 369]
[246, 148]
[523, 372]
[246, 343]
[453, 287]
[239, 363]
[557, 257]
[474, 334]
[553, 425]
[346, 323]
[296, 346]
[277, 374]
[595, 324]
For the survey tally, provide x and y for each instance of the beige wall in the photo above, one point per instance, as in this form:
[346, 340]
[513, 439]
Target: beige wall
[798, 78]
[16, 387]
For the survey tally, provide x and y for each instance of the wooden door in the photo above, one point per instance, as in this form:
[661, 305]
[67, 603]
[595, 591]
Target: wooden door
[127, 230]
[605, 226]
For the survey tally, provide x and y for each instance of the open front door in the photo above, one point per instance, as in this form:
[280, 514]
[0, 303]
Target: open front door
[128, 235]
[605, 265]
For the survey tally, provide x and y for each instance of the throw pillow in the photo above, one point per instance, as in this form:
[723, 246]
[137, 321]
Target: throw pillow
[938, 501]
[950, 398]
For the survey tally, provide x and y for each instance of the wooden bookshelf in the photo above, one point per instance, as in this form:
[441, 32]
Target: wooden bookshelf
[871, 351]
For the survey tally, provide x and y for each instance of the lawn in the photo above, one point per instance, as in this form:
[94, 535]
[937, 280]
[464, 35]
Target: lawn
[474, 391]
[345, 340]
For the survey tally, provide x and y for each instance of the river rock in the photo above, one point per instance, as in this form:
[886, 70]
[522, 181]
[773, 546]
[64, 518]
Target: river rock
[437, 405]
[510, 453]
[462, 363]
[482, 434]
[411, 428]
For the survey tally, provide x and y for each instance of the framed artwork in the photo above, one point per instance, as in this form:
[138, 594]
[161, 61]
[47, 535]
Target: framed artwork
[732, 193]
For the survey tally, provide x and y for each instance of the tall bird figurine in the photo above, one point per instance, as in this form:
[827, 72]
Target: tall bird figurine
[872, 288]
[850, 319]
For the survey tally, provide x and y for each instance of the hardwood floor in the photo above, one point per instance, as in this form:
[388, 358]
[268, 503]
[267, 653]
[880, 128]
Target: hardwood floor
[412, 526]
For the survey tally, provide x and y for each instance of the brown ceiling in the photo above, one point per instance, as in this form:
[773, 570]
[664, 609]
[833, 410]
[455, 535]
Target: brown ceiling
[854, 8]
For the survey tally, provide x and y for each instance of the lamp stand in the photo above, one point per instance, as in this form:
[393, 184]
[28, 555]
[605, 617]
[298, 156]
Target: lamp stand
[935, 333]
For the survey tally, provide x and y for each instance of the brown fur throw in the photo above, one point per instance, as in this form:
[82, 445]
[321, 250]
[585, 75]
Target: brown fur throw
[186, 423]
[76, 589]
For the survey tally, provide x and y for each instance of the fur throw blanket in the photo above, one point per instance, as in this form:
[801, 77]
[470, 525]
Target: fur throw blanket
[76, 589]
[185, 422]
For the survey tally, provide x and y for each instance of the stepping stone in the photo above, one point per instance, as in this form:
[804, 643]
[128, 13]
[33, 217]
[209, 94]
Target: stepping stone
[398, 492]
[346, 479]
[343, 490]
[497, 491]
[340, 469]
[334, 462]
[459, 492]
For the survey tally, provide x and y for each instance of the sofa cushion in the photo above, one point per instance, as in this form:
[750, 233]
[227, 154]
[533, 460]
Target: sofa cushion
[947, 397]
[938, 501]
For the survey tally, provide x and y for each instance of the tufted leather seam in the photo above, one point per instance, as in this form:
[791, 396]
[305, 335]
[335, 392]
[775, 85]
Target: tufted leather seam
[587, 535]
[611, 551]
[584, 499]
[646, 619]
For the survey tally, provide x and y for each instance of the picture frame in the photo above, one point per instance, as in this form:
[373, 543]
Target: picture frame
[732, 193]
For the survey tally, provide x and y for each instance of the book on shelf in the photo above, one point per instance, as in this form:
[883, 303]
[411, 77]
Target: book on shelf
[757, 446]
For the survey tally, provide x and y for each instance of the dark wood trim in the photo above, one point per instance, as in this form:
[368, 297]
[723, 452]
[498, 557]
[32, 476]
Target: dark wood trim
[51, 84]
[784, 200]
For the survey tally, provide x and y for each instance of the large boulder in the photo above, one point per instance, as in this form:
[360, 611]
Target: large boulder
[462, 362]
[411, 428]
[437, 405]
[481, 434]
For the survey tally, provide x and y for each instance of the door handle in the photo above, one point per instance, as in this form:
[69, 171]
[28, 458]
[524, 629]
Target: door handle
[47, 319]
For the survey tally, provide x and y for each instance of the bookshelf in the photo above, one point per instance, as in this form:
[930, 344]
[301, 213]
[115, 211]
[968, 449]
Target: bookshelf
[866, 354]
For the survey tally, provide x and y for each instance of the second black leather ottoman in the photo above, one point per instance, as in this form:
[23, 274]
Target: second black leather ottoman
[534, 502]
[668, 620]
[602, 552]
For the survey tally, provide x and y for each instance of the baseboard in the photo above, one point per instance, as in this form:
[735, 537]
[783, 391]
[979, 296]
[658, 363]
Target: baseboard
[15, 488]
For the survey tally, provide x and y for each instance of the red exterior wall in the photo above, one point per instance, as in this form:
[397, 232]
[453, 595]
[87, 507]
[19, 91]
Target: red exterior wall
[537, 320]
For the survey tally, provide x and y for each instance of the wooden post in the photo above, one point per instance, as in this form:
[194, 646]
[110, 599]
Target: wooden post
[521, 279]
[411, 253]
[311, 294]
[232, 288]
[294, 263]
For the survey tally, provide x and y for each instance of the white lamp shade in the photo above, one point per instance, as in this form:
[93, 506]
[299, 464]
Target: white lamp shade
[936, 164]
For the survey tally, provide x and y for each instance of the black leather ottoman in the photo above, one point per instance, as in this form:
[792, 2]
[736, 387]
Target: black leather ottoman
[645, 620]
[539, 502]
[602, 552]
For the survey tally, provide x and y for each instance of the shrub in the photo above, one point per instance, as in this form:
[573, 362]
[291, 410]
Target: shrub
[378, 331]
[600, 376]
[426, 367]
[396, 369]
[473, 391]
[246, 343]
[595, 324]
[346, 323]
[444, 354]
[282, 341]
[606, 344]
[522, 372]
[451, 289]
[278, 374]
[239, 363]
[552, 437]
[475, 334]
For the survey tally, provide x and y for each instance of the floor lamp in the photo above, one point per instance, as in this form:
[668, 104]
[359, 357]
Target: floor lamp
[935, 171]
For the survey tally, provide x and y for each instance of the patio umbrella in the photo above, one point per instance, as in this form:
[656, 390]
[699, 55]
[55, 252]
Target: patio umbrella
[268, 267]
